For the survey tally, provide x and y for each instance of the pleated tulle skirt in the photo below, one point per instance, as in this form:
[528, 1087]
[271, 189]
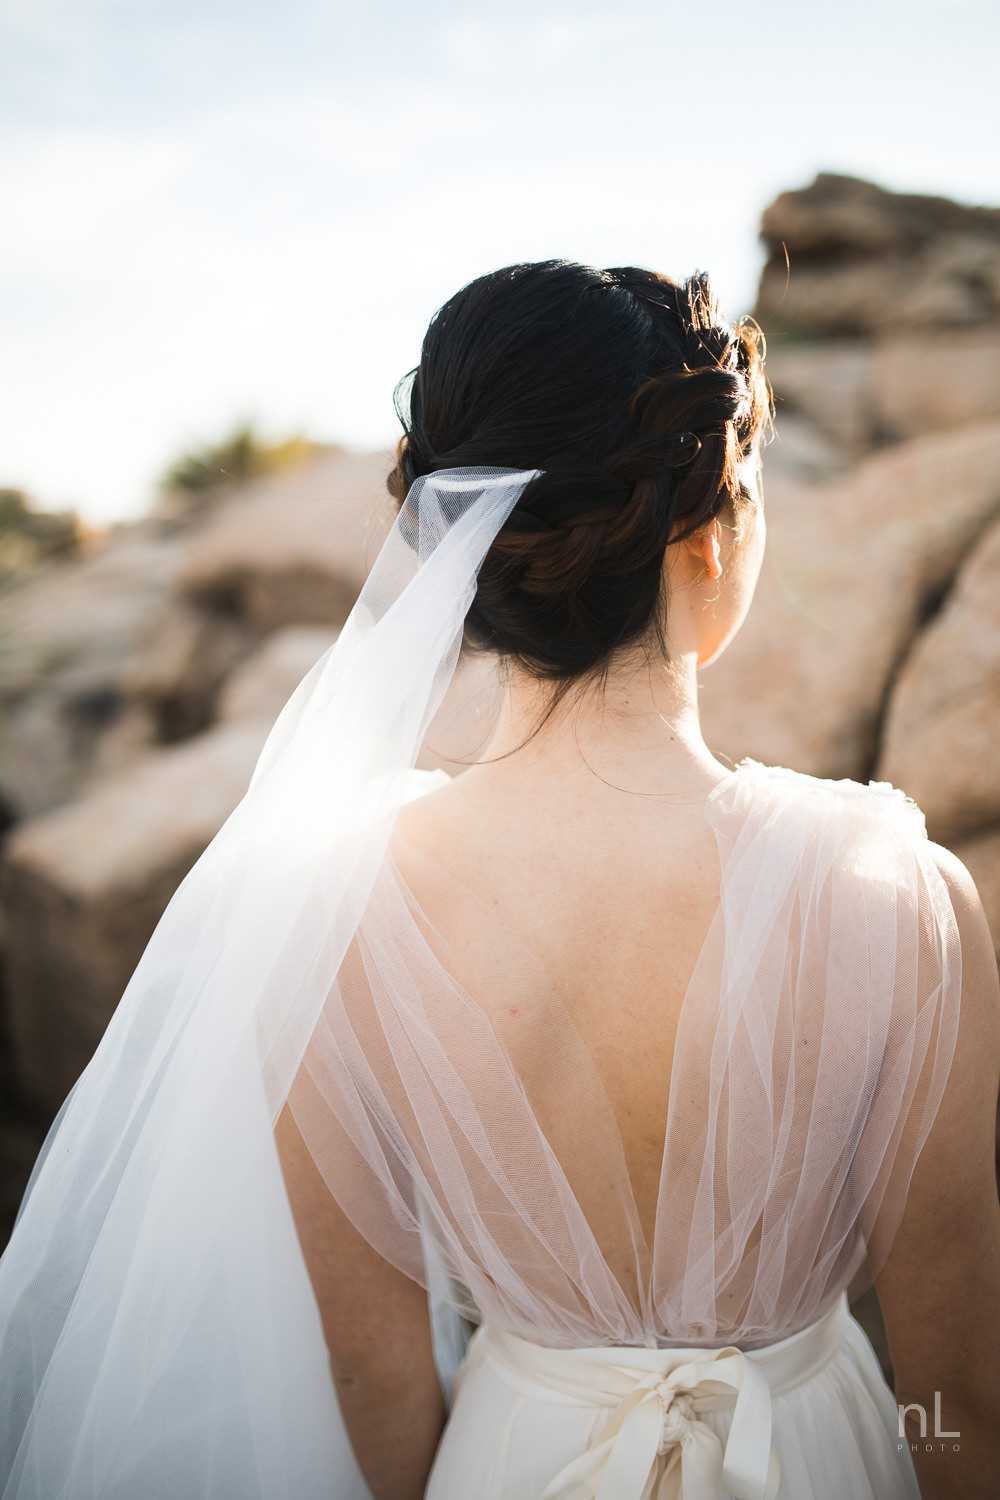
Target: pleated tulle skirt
[807, 1418]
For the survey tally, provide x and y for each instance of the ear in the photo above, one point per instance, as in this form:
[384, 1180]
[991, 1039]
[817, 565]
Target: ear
[705, 544]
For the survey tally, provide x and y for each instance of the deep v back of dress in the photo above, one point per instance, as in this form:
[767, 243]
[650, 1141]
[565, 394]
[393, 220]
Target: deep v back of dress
[581, 960]
[810, 1046]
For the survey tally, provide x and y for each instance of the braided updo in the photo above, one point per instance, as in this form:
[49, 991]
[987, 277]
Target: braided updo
[639, 404]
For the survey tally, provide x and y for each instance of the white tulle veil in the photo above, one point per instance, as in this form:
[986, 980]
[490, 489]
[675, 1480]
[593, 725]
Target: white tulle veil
[158, 1332]
[124, 1316]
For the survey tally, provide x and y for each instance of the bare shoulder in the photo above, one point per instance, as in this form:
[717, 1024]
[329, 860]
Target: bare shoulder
[981, 985]
[940, 1285]
[430, 821]
[961, 886]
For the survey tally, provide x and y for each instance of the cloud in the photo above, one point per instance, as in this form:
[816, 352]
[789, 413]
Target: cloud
[71, 196]
[493, 42]
[59, 22]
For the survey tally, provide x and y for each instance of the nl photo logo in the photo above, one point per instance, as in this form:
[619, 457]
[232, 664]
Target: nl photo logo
[939, 1433]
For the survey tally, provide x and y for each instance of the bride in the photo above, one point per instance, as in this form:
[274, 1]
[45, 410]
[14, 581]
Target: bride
[628, 1060]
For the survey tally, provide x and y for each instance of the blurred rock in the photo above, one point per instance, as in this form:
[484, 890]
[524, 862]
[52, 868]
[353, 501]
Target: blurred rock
[259, 689]
[176, 673]
[104, 656]
[799, 449]
[825, 301]
[863, 393]
[941, 742]
[295, 547]
[935, 381]
[84, 886]
[67, 637]
[862, 260]
[981, 857]
[838, 216]
[831, 384]
[853, 567]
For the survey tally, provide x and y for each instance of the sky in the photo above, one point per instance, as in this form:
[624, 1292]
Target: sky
[213, 210]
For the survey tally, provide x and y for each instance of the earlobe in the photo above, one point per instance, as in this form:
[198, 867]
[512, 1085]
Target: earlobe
[711, 550]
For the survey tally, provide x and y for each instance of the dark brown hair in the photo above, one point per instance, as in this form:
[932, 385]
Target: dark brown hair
[638, 403]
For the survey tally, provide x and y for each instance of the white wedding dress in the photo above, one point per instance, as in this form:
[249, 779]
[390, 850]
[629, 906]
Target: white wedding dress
[159, 1337]
[735, 1366]
[660, 1424]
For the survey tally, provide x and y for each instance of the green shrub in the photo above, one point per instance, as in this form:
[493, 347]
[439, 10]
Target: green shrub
[29, 537]
[237, 458]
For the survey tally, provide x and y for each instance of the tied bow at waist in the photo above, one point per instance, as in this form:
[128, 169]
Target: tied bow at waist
[653, 1444]
[658, 1418]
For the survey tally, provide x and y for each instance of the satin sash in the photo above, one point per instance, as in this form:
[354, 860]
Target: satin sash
[652, 1441]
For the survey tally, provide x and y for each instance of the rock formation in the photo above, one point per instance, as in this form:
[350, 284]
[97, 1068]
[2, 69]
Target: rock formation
[942, 732]
[86, 883]
[882, 310]
[69, 634]
[855, 564]
[847, 257]
[295, 548]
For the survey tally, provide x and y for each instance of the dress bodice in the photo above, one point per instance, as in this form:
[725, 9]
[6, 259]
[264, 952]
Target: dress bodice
[798, 1101]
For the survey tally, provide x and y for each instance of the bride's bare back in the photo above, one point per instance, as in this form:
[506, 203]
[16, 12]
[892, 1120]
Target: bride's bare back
[612, 894]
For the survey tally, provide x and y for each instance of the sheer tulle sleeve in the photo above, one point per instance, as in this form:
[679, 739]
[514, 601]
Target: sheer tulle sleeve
[817, 1037]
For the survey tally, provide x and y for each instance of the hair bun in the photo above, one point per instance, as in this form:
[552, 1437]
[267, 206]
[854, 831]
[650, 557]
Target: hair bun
[635, 406]
[575, 494]
[554, 537]
[672, 450]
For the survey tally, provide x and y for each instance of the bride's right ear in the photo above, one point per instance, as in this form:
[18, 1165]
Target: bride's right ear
[710, 549]
[702, 552]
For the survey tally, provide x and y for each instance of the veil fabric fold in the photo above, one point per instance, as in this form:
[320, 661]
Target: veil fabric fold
[158, 1331]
